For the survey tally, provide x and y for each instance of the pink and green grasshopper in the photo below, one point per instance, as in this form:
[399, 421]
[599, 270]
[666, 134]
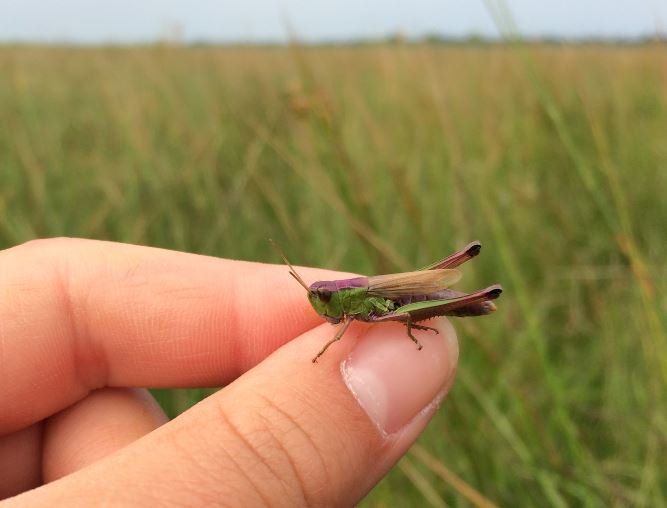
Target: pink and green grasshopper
[409, 297]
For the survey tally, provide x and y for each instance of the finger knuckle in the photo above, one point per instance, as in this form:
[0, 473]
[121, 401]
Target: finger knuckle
[56, 242]
[281, 454]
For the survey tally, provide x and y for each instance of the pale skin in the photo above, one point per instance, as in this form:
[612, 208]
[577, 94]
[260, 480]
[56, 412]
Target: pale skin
[86, 325]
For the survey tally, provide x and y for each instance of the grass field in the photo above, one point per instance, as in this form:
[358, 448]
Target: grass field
[384, 158]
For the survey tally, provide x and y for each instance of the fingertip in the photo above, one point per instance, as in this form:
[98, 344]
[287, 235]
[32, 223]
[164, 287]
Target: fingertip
[392, 379]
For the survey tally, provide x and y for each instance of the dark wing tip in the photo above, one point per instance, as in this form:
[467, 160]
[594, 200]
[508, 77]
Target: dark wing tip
[473, 248]
[494, 292]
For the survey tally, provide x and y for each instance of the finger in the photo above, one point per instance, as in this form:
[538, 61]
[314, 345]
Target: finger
[20, 461]
[77, 315]
[98, 425]
[287, 433]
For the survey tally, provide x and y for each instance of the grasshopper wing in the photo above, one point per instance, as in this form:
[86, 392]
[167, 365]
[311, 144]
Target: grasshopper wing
[473, 304]
[396, 285]
[458, 258]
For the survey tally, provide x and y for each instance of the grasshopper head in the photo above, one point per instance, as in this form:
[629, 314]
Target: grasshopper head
[324, 299]
[323, 295]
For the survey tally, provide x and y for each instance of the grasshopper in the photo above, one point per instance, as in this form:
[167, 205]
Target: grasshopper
[409, 297]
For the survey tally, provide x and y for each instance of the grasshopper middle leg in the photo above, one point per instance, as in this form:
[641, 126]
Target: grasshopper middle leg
[423, 327]
[410, 325]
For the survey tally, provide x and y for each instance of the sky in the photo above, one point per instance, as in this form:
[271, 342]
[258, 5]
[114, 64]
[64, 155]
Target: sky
[132, 21]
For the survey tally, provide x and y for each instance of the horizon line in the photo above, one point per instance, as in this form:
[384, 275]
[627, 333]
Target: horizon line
[390, 38]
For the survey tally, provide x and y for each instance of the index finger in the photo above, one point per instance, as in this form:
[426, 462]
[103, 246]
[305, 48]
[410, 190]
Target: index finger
[76, 315]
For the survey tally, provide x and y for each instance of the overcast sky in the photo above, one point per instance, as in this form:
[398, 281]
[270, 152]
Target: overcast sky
[126, 21]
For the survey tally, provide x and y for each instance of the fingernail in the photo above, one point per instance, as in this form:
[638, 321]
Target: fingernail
[392, 380]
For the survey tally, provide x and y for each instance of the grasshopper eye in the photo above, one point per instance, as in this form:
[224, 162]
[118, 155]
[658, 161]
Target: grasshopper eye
[324, 295]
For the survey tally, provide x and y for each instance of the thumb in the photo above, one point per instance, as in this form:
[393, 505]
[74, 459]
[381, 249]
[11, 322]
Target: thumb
[288, 432]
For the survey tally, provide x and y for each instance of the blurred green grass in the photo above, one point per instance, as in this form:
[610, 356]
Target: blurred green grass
[385, 158]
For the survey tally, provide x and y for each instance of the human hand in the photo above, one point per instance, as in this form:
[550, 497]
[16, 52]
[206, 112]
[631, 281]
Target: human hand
[83, 322]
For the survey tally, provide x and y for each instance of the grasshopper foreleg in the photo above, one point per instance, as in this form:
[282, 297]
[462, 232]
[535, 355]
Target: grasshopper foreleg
[336, 338]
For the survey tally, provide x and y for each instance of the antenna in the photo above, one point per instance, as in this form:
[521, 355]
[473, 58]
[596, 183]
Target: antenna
[292, 271]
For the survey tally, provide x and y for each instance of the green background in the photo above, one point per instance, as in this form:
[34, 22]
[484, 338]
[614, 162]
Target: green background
[383, 158]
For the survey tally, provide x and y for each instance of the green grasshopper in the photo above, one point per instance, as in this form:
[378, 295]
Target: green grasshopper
[409, 297]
